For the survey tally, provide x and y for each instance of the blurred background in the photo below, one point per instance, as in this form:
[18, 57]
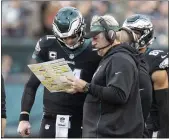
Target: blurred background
[24, 22]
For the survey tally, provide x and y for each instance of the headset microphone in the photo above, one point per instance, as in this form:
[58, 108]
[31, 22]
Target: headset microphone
[98, 49]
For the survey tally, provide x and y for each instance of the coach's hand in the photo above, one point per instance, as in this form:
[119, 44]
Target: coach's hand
[24, 128]
[77, 85]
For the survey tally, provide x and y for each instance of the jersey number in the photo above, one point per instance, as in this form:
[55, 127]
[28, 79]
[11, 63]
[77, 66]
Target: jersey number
[155, 52]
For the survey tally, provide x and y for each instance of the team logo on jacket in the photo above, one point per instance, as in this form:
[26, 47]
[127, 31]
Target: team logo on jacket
[52, 55]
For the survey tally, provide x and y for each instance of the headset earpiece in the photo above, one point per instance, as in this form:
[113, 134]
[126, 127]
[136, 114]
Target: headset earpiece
[110, 34]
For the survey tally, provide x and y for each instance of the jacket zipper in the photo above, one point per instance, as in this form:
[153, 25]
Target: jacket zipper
[98, 120]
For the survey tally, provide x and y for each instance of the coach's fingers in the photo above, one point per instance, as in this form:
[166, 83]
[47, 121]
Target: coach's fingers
[70, 78]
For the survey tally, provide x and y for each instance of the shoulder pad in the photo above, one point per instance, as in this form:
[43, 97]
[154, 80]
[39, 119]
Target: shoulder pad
[41, 44]
[45, 41]
[164, 64]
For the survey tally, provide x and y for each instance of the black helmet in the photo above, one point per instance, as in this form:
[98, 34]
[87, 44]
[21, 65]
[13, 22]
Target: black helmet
[142, 25]
[69, 22]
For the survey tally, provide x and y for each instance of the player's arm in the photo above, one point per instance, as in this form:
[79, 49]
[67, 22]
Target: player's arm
[31, 85]
[160, 79]
[29, 95]
[26, 105]
[3, 107]
[160, 85]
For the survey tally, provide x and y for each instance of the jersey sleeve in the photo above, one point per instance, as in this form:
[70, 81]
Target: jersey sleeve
[29, 93]
[164, 63]
[159, 60]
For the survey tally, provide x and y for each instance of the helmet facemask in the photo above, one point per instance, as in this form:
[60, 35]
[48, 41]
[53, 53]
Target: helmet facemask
[77, 39]
[145, 37]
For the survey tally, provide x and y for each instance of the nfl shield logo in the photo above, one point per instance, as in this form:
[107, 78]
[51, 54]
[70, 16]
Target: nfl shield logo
[71, 56]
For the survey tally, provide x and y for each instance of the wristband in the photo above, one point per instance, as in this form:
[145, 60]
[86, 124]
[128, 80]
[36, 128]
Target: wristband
[24, 117]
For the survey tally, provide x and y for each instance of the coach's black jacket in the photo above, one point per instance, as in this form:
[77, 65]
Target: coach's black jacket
[113, 106]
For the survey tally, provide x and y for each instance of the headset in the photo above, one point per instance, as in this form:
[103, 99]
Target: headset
[110, 34]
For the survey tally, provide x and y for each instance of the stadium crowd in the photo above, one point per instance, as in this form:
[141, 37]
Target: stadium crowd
[34, 18]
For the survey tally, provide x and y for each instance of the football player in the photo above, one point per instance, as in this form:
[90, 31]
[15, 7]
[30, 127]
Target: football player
[158, 70]
[62, 112]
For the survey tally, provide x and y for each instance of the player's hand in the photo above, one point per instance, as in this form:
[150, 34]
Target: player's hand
[24, 128]
[77, 85]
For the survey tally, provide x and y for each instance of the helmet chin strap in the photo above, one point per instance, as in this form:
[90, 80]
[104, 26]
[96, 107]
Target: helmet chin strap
[74, 46]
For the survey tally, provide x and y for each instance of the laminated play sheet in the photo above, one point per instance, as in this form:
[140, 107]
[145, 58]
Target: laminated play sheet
[53, 74]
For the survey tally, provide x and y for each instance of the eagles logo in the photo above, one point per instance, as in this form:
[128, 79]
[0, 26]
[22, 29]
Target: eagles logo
[37, 50]
[164, 64]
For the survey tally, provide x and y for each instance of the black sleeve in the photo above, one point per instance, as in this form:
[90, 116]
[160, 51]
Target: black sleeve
[29, 93]
[40, 55]
[3, 99]
[33, 82]
[153, 123]
[119, 80]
